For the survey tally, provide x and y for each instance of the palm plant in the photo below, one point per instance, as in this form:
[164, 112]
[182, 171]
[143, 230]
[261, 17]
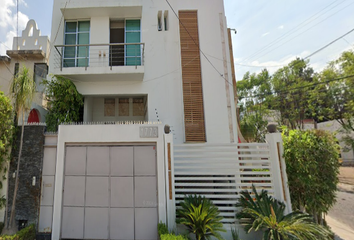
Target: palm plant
[263, 212]
[22, 89]
[201, 217]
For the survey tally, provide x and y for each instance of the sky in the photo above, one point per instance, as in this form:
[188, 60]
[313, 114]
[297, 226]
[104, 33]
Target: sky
[270, 33]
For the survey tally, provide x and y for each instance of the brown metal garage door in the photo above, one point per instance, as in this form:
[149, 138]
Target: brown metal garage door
[110, 192]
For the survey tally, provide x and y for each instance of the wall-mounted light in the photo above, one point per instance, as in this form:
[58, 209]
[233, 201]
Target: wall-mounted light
[14, 174]
[34, 181]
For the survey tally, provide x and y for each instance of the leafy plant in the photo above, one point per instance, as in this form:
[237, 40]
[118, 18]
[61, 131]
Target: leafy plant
[263, 212]
[201, 217]
[234, 234]
[64, 102]
[312, 167]
[171, 236]
[28, 233]
[162, 229]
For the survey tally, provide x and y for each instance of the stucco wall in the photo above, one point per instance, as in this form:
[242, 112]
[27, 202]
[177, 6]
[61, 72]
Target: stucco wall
[163, 77]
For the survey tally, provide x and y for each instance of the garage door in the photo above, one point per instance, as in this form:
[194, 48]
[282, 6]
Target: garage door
[110, 192]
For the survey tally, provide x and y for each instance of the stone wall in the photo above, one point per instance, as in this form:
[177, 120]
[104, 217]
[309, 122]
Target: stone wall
[28, 196]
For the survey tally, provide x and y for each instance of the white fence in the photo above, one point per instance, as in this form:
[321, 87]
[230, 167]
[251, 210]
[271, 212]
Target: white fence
[221, 171]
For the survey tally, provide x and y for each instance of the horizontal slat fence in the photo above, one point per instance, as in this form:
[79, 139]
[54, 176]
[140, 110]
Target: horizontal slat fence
[220, 172]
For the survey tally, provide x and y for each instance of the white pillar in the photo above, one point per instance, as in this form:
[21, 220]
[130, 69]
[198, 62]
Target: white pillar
[280, 178]
[169, 178]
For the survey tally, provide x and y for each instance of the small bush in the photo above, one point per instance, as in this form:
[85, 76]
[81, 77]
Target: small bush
[162, 229]
[171, 236]
[1, 227]
[28, 233]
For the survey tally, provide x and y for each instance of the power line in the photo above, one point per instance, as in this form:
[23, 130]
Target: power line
[291, 31]
[200, 50]
[297, 88]
[304, 31]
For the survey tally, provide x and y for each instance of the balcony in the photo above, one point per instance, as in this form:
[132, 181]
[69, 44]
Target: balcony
[95, 62]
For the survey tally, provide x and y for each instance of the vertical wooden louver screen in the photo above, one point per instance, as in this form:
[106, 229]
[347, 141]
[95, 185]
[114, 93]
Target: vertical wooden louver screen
[191, 77]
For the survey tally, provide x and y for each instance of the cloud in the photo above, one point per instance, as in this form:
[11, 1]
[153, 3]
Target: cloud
[8, 23]
[265, 34]
[281, 27]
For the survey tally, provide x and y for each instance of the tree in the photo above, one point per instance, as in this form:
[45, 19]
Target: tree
[263, 212]
[336, 95]
[22, 90]
[254, 92]
[201, 217]
[6, 131]
[312, 167]
[291, 96]
[64, 102]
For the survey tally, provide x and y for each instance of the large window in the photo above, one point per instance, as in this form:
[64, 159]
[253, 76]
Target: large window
[132, 35]
[76, 33]
[40, 73]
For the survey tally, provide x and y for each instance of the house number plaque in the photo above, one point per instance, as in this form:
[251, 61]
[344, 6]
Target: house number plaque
[149, 132]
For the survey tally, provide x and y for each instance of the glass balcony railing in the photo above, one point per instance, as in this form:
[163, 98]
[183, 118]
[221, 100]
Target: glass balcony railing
[99, 55]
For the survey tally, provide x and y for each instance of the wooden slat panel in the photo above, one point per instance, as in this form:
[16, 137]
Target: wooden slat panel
[191, 77]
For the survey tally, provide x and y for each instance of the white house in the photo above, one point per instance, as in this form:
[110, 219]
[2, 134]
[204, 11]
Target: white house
[139, 65]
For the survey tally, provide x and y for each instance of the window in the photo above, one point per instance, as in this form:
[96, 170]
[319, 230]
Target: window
[76, 33]
[132, 35]
[123, 106]
[138, 107]
[165, 20]
[159, 23]
[17, 67]
[109, 107]
[40, 72]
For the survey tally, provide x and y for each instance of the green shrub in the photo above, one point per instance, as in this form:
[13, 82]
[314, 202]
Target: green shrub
[28, 233]
[263, 212]
[171, 236]
[201, 217]
[162, 229]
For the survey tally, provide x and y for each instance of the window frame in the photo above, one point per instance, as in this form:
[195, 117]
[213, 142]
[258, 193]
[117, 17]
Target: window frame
[125, 41]
[77, 32]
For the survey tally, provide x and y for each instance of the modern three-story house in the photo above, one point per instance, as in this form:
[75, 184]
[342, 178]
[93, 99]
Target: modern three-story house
[140, 65]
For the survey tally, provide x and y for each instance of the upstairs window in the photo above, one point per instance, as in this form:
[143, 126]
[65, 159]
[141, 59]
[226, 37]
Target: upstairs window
[76, 33]
[40, 73]
[132, 35]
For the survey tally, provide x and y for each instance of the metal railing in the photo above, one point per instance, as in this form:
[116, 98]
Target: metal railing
[99, 55]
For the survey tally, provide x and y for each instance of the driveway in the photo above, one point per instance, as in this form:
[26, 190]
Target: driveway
[341, 216]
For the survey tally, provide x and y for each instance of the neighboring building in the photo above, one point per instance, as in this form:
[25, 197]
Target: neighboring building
[334, 127]
[30, 50]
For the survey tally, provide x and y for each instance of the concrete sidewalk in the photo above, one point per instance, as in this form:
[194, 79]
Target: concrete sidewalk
[342, 231]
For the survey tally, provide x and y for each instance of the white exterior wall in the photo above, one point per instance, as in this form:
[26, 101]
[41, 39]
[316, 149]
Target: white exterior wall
[335, 127]
[163, 76]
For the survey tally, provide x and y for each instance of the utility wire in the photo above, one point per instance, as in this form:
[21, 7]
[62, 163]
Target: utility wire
[200, 50]
[305, 31]
[297, 88]
[292, 31]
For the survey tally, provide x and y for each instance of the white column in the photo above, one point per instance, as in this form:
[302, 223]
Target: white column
[169, 178]
[280, 178]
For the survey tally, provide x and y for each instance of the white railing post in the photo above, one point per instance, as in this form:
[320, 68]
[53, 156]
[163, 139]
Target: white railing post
[280, 178]
[169, 180]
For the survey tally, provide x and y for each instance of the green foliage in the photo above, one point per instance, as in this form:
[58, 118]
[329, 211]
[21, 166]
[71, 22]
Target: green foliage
[312, 167]
[6, 133]
[162, 229]
[171, 236]
[200, 216]
[262, 212]
[28, 233]
[64, 102]
[234, 234]
[22, 90]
